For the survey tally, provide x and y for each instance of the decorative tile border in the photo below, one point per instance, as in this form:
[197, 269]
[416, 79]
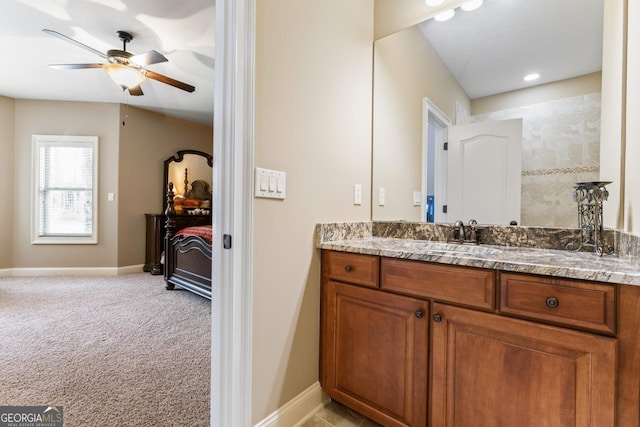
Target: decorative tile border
[561, 171]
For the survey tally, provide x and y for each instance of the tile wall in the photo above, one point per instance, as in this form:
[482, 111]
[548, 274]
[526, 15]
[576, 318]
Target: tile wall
[560, 146]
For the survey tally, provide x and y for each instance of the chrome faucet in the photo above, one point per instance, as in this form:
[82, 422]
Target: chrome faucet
[458, 225]
[473, 225]
[460, 234]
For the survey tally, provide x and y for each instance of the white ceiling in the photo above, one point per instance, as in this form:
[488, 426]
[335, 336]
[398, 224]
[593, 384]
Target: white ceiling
[183, 31]
[491, 49]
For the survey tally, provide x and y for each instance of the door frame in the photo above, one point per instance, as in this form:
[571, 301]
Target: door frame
[440, 173]
[232, 269]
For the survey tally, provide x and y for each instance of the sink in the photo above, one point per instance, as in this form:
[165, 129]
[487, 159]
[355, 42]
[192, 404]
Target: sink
[452, 248]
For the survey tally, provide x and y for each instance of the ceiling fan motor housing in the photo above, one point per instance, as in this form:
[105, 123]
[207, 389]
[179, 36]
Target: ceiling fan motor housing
[116, 56]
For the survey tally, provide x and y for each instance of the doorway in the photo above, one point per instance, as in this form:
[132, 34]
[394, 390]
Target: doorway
[434, 163]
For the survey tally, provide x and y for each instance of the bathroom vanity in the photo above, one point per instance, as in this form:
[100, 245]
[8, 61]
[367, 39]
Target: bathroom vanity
[418, 333]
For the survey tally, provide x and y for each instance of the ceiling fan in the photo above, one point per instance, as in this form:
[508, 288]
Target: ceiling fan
[125, 68]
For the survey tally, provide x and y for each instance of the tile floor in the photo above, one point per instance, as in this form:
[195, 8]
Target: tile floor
[333, 414]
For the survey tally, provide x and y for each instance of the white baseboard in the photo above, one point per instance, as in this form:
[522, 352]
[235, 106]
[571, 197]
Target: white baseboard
[6, 272]
[297, 410]
[130, 269]
[72, 271]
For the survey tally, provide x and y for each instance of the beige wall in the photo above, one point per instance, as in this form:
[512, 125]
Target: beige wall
[131, 165]
[632, 169]
[313, 121]
[146, 141]
[7, 180]
[65, 118]
[394, 15]
[407, 69]
[611, 124]
[582, 85]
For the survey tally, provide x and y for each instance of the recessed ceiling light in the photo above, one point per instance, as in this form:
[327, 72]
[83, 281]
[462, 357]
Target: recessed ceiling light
[433, 3]
[445, 16]
[531, 77]
[471, 5]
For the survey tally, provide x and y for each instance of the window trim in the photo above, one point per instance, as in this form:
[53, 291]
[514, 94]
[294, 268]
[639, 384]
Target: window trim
[62, 140]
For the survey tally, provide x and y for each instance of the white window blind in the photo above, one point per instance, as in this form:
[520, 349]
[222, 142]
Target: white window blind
[65, 208]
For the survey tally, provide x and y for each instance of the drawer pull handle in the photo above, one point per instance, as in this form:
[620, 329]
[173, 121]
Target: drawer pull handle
[552, 302]
[348, 268]
[437, 318]
[418, 314]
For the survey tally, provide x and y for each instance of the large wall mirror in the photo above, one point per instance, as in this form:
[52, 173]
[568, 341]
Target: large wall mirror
[470, 69]
[190, 171]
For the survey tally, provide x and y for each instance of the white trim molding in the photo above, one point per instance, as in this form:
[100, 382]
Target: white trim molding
[297, 410]
[440, 173]
[70, 271]
[232, 268]
[41, 219]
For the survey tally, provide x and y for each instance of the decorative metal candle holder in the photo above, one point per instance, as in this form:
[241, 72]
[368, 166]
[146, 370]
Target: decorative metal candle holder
[589, 196]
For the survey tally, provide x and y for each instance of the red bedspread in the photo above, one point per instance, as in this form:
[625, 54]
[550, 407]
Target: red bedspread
[204, 231]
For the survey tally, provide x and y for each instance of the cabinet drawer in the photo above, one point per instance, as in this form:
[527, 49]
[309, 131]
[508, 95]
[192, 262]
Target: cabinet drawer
[459, 285]
[358, 269]
[582, 305]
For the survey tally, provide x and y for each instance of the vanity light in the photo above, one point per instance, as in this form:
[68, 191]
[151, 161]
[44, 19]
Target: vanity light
[433, 3]
[445, 16]
[531, 77]
[471, 5]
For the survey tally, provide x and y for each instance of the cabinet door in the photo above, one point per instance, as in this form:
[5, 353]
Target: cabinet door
[374, 353]
[492, 371]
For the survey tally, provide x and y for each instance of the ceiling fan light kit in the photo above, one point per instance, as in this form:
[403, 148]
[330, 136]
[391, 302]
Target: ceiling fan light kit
[124, 76]
[124, 68]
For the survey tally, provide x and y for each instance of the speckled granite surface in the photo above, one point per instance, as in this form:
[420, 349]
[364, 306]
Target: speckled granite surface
[530, 237]
[424, 242]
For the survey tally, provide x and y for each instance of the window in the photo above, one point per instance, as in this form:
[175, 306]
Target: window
[65, 187]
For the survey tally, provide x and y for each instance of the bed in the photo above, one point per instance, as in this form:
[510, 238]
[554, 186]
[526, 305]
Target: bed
[187, 247]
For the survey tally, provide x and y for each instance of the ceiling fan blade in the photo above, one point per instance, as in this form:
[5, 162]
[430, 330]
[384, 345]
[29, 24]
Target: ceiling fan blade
[169, 81]
[74, 66]
[148, 58]
[77, 43]
[135, 91]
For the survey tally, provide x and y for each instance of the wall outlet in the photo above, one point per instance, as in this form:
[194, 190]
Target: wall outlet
[381, 196]
[357, 194]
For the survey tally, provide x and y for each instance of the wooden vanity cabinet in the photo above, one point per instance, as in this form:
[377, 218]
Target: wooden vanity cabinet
[410, 343]
[374, 353]
[374, 344]
[489, 371]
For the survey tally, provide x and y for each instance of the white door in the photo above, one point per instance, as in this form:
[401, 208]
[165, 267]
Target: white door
[484, 167]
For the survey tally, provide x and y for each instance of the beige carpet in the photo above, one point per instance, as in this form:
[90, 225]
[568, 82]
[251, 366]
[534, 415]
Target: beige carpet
[113, 351]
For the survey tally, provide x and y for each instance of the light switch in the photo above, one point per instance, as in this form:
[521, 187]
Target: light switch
[417, 198]
[270, 184]
[381, 196]
[357, 194]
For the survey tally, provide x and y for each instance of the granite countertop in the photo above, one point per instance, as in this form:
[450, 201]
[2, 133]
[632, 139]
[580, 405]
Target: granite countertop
[549, 262]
